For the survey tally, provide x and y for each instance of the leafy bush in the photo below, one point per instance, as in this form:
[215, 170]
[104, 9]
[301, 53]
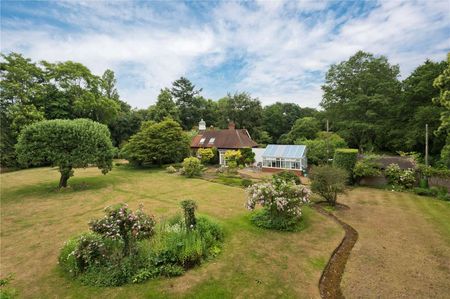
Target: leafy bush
[205, 154]
[171, 169]
[232, 167]
[425, 191]
[246, 182]
[328, 182]
[345, 158]
[322, 147]
[398, 177]
[247, 156]
[281, 201]
[287, 176]
[231, 155]
[192, 167]
[120, 223]
[368, 166]
[5, 291]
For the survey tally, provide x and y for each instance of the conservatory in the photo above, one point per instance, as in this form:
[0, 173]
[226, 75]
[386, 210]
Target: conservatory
[284, 157]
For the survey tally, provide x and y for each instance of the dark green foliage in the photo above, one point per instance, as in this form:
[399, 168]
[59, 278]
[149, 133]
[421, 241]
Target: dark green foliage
[247, 156]
[263, 218]
[165, 107]
[189, 207]
[367, 166]
[66, 144]
[287, 176]
[303, 128]
[279, 118]
[157, 144]
[425, 191]
[192, 167]
[322, 148]
[246, 182]
[328, 182]
[345, 159]
[188, 103]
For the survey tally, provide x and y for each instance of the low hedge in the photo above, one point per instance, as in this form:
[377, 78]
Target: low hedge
[345, 158]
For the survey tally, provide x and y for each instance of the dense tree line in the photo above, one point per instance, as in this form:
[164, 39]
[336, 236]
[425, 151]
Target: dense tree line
[368, 107]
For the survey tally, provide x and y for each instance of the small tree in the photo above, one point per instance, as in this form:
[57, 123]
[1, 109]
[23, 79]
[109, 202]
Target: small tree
[205, 154]
[189, 207]
[66, 144]
[247, 156]
[157, 144]
[368, 166]
[345, 158]
[328, 182]
[192, 167]
[122, 223]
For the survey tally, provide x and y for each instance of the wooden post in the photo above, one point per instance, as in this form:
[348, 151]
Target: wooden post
[426, 144]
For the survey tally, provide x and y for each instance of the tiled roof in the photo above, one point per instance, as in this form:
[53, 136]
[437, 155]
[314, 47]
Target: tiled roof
[284, 151]
[230, 138]
[403, 162]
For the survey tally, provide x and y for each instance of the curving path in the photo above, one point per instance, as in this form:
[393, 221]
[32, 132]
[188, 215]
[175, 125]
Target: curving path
[330, 281]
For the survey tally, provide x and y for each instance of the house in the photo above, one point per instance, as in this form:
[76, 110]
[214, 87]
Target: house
[278, 157]
[222, 140]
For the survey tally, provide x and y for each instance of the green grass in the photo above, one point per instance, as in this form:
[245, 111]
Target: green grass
[37, 219]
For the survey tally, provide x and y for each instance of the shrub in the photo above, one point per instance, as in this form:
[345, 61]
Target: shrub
[205, 154]
[280, 200]
[232, 167]
[425, 191]
[66, 144]
[120, 223]
[189, 207]
[157, 144]
[192, 167]
[171, 169]
[232, 155]
[287, 176]
[368, 166]
[345, 158]
[328, 182]
[398, 177]
[246, 182]
[247, 156]
[5, 291]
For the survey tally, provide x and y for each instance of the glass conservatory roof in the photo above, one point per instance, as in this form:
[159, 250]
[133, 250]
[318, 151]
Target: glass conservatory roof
[284, 151]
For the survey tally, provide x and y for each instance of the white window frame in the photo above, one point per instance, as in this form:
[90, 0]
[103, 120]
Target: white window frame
[283, 163]
[202, 140]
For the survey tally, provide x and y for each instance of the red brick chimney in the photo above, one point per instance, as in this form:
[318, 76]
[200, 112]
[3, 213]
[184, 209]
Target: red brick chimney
[231, 126]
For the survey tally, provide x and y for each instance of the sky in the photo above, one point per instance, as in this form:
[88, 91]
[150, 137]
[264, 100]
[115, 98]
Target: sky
[275, 50]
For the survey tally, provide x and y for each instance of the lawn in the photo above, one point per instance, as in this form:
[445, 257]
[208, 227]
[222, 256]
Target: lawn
[36, 220]
[402, 251]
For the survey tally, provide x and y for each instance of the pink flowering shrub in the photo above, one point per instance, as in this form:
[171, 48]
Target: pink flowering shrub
[120, 223]
[281, 202]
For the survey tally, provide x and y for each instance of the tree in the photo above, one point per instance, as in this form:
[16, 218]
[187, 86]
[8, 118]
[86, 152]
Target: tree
[165, 107]
[66, 144]
[243, 110]
[279, 118]
[328, 182]
[442, 83]
[321, 149]
[185, 94]
[108, 84]
[157, 144]
[303, 128]
[358, 98]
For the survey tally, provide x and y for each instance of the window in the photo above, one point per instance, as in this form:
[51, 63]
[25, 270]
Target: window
[202, 140]
[211, 141]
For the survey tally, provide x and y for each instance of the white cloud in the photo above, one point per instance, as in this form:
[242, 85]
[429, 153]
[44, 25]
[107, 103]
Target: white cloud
[286, 47]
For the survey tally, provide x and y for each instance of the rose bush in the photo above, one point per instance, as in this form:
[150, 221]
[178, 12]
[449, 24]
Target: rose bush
[281, 202]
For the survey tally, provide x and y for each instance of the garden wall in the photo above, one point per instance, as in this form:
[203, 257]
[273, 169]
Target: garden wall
[439, 182]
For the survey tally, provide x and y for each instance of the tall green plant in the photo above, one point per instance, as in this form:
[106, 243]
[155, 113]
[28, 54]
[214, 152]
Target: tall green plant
[189, 207]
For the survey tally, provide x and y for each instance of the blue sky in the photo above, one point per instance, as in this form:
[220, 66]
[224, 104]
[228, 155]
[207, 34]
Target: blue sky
[276, 50]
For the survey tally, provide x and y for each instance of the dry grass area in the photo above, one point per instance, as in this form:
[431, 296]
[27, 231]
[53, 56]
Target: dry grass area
[403, 250]
[36, 219]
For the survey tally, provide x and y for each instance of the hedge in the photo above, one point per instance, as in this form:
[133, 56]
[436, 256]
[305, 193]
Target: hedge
[345, 158]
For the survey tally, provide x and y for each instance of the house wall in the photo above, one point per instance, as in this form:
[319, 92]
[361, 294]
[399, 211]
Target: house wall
[258, 155]
[275, 170]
